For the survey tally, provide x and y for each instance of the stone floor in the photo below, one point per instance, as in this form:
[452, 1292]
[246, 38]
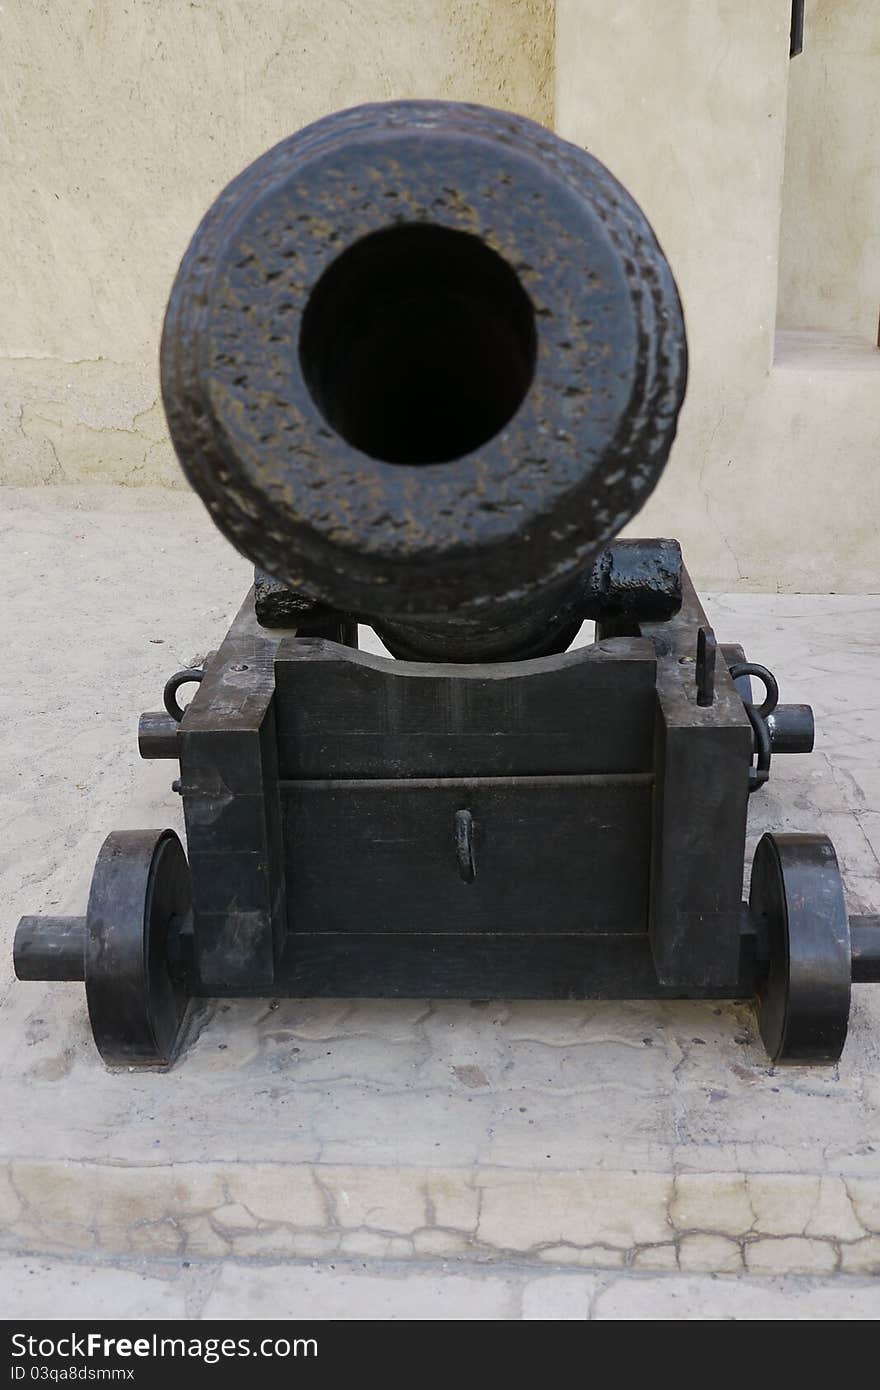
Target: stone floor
[400, 1159]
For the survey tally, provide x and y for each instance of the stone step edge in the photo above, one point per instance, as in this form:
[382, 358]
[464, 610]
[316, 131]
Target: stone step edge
[724, 1222]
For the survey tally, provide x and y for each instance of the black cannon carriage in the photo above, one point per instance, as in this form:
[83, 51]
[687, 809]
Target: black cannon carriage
[423, 361]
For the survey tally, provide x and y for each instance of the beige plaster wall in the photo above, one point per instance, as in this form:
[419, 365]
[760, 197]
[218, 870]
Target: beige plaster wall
[774, 480]
[119, 123]
[829, 268]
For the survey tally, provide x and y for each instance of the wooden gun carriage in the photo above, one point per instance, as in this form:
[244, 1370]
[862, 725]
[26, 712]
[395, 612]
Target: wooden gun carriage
[423, 361]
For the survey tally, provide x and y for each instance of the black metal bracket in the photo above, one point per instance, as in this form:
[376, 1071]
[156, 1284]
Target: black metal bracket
[796, 39]
[707, 653]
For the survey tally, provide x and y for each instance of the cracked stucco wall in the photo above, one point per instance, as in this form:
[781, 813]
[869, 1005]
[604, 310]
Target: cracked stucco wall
[121, 123]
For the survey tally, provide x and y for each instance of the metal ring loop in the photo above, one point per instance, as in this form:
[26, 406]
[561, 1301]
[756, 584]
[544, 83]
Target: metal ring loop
[760, 773]
[751, 668]
[169, 694]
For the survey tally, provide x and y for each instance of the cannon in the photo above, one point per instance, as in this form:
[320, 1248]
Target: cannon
[422, 362]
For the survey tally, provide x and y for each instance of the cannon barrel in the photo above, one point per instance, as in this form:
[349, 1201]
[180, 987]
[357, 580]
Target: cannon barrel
[422, 361]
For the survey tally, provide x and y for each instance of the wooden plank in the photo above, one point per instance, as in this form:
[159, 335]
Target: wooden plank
[553, 854]
[702, 760]
[424, 966]
[346, 714]
[228, 764]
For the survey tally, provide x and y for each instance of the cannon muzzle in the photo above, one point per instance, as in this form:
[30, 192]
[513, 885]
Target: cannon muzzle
[422, 361]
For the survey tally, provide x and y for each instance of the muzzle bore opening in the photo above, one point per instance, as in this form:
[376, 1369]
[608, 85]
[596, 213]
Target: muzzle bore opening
[418, 344]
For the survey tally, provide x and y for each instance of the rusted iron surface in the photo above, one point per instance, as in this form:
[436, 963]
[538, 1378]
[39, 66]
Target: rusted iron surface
[423, 359]
[628, 582]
